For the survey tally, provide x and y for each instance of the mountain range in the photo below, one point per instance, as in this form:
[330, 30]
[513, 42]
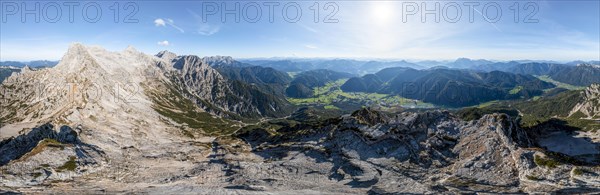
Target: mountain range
[6, 71]
[127, 122]
[581, 74]
[448, 87]
[35, 63]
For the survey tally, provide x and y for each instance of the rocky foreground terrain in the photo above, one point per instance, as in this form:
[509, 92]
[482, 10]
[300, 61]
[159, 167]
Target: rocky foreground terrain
[92, 138]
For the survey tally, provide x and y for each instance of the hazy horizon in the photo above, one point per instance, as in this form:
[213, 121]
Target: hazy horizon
[503, 30]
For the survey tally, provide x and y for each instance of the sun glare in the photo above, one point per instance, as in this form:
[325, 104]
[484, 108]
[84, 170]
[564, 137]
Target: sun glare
[382, 12]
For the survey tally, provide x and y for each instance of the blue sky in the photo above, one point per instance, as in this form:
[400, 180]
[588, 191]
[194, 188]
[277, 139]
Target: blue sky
[558, 30]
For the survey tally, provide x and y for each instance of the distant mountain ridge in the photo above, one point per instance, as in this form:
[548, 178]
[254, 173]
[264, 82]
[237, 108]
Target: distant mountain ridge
[449, 87]
[36, 63]
[6, 71]
[362, 67]
[580, 75]
[339, 65]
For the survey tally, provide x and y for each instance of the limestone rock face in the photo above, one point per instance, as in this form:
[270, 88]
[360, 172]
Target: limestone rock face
[219, 60]
[489, 152]
[433, 152]
[198, 81]
[590, 106]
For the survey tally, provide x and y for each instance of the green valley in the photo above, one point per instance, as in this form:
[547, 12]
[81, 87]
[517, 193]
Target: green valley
[332, 97]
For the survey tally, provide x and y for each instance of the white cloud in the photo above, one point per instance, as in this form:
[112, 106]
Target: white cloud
[159, 22]
[208, 30]
[163, 43]
[310, 46]
[170, 22]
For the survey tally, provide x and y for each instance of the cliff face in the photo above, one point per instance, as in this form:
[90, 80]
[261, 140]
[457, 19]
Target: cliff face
[589, 108]
[432, 152]
[214, 93]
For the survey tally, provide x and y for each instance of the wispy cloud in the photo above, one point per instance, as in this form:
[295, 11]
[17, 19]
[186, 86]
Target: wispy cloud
[203, 27]
[207, 30]
[163, 43]
[159, 22]
[309, 46]
[308, 28]
[164, 22]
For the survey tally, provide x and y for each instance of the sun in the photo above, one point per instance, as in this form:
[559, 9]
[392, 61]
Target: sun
[382, 12]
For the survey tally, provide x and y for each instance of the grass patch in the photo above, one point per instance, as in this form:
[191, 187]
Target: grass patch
[578, 171]
[558, 84]
[546, 162]
[331, 107]
[42, 145]
[37, 174]
[533, 177]
[187, 133]
[487, 104]
[70, 165]
[293, 74]
[515, 90]
[461, 182]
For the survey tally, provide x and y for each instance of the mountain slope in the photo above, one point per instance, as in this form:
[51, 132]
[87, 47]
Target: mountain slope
[269, 80]
[312, 79]
[216, 94]
[368, 83]
[388, 74]
[223, 61]
[589, 106]
[454, 88]
[579, 75]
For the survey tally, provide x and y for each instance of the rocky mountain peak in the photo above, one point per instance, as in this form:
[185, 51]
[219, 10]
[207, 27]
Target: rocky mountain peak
[166, 55]
[190, 62]
[588, 65]
[26, 68]
[130, 48]
[219, 60]
[76, 57]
